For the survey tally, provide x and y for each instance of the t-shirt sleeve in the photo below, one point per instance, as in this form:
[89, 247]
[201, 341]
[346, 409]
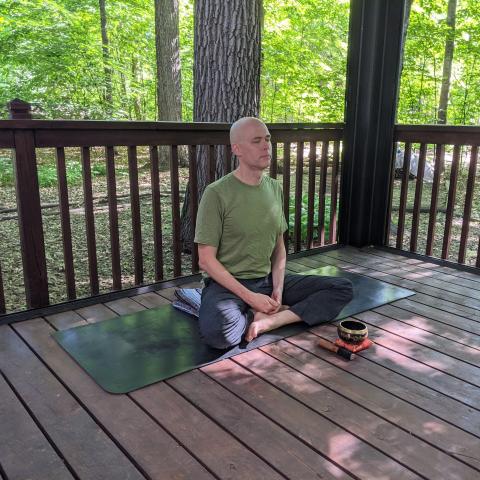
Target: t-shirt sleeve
[208, 230]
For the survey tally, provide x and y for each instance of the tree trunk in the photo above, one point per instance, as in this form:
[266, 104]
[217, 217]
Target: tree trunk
[447, 62]
[227, 46]
[137, 106]
[406, 22]
[107, 69]
[169, 88]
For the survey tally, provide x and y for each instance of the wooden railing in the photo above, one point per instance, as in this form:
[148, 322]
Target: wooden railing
[432, 203]
[313, 183]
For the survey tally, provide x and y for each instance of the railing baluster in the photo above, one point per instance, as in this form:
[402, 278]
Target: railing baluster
[89, 220]
[418, 197]
[135, 208]
[156, 213]
[273, 163]
[403, 194]
[228, 159]
[321, 193]
[311, 193]
[467, 209]
[177, 247]
[65, 223]
[477, 263]
[113, 219]
[439, 154]
[286, 190]
[2, 294]
[452, 191]
[211, 163]
[298, 198]
[334, 192]
[192, 172]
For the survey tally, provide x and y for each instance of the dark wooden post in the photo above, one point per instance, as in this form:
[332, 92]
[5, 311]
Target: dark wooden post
[373, 73]
[29, 212]
[19, 110]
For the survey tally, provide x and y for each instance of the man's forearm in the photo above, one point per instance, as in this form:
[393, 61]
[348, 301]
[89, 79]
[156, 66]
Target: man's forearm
[222, 276]
[279, 260]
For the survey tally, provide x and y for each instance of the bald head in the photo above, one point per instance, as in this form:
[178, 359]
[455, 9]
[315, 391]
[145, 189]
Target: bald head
[239, 130]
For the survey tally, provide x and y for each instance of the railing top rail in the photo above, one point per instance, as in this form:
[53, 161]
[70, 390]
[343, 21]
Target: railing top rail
[437, 128]
[137, 125]
[438, 134]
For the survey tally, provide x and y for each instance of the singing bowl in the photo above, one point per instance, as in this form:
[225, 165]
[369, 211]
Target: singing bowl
[352, 331]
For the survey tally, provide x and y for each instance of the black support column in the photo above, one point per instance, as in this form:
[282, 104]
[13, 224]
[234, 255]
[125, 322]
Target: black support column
[373, 70]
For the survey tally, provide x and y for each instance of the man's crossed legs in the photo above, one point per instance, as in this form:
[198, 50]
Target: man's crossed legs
[224, 318]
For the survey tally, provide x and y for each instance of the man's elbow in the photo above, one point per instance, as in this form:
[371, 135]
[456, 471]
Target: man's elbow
[202, 263]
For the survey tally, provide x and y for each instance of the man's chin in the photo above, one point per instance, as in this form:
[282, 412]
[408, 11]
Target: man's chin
[266, 161]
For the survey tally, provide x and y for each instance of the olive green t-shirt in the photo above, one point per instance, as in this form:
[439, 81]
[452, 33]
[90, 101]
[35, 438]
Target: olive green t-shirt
[244, 222]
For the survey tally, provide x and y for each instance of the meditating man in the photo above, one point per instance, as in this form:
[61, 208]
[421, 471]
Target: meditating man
[239, 231]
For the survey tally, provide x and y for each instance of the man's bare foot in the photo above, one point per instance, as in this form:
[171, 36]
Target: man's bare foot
[263, 322]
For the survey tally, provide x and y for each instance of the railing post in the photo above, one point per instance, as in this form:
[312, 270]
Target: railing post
[29, 212]
[19, 110]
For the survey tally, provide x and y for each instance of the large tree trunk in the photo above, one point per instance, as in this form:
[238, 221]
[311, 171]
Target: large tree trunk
[447, 62]
[107, 69]
[169, 87]
[227, 46]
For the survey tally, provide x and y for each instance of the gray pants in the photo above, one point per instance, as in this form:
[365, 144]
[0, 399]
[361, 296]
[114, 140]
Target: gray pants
[224, 318]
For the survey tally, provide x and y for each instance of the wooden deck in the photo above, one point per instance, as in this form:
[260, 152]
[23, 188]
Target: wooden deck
[408, 408]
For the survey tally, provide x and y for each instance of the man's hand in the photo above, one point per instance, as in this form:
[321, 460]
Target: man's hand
[262, 303]
[277, 295]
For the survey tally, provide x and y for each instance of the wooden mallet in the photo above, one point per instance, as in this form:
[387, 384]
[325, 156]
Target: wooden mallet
[332, 347]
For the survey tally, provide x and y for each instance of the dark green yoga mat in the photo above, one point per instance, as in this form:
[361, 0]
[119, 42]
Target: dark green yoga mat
[129, 352]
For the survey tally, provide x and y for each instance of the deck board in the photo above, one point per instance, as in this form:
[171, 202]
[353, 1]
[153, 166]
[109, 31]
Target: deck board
[90, 451]
[25, 450]
[407, 408]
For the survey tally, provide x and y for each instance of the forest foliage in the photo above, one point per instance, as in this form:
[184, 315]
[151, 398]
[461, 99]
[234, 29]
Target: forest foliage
[51, 56]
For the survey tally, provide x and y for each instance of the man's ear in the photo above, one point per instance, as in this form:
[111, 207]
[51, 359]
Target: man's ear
[235, 149]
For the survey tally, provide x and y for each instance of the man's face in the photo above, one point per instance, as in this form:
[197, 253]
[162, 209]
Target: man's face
[254, 149]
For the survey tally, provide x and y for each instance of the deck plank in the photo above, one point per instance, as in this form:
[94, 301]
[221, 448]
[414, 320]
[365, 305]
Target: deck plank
[445, 290]
[468, 341]
[224, 455]
[25, 452]
[151, 300]
[399, 444]
[266, 438]
[336, 443]
[388, 353]
[432, 340]
[462, 274]
[438, 279]
[431, 294]
[438, 315]
[372, 371]
[423, 425]
[124, 306]
[90, 452]
[96, 313]
[135, 431]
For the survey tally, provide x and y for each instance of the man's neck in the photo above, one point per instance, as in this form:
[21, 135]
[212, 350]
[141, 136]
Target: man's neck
[250, 177]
